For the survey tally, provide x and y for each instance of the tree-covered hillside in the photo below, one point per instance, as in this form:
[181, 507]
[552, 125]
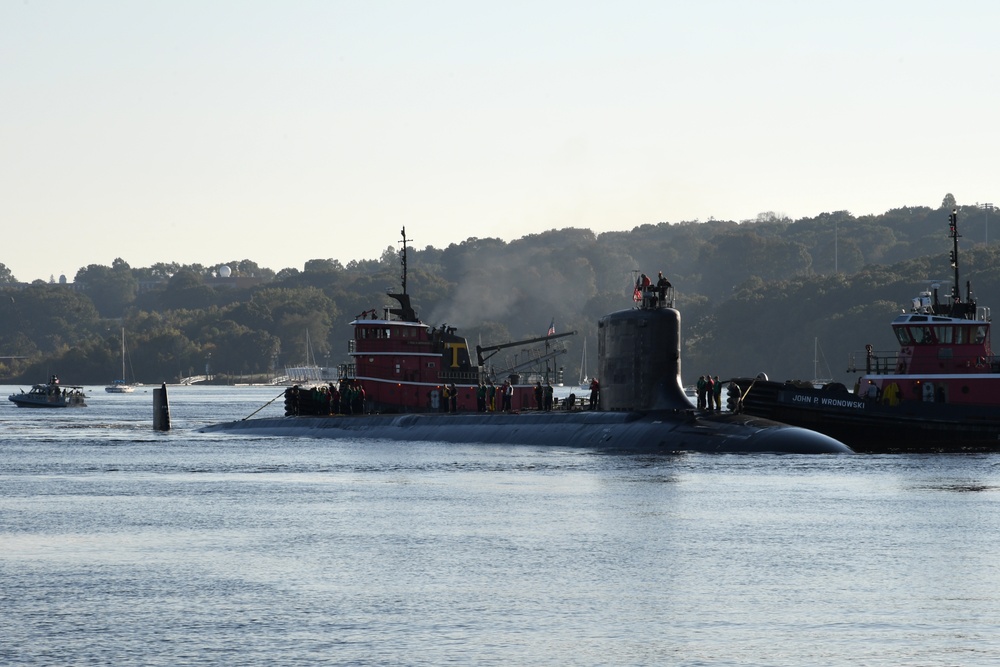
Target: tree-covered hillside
[758, 295]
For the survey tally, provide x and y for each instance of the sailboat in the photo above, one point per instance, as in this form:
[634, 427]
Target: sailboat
[121, 386]
[584, 380]
[818, 382]
[310, 372]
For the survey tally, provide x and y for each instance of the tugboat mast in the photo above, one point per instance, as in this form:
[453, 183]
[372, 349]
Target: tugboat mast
[405, 311]
[958, 308]
[956, 290]
[402, 257]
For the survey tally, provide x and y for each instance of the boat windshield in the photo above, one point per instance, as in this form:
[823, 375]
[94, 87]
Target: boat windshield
[921, 335]
[959, 334]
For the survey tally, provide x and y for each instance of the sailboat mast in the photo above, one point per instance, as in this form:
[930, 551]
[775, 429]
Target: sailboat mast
[816, 357]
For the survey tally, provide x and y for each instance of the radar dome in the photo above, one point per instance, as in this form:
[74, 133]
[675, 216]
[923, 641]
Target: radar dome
[225, 271]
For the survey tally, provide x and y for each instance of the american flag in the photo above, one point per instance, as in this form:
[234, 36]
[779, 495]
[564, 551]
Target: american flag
[552, 328]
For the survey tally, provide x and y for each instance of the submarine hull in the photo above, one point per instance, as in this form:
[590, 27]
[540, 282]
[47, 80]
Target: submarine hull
[655, 432]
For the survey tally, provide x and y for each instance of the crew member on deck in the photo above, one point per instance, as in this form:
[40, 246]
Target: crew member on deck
[662, 285]
[481, 397]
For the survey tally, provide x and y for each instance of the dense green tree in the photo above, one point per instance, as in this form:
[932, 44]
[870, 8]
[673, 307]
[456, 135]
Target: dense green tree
[290, 314]
[42, 321]
[111, 289]
[158, 271]
[186, 289]
[458, 259]
[738, 255]
[49, 316]
[323, 266]
[245, 268]
[236, 349]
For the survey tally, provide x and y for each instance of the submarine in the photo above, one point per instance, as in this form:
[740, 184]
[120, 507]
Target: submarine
[413, 382]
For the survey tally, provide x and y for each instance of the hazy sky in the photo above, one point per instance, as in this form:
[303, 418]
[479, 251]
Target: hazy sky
[209, 131]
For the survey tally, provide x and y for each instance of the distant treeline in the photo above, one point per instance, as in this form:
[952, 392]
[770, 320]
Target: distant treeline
[758, 295]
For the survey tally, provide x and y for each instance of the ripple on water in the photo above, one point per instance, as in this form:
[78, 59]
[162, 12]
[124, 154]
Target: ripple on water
[124, 546]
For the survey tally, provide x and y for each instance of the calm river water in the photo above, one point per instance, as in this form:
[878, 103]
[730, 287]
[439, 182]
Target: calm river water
[122, 546]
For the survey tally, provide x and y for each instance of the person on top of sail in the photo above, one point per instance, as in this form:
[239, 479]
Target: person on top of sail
[662, 285]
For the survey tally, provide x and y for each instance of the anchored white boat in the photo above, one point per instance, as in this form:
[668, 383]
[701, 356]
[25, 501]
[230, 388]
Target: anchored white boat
[121, 386]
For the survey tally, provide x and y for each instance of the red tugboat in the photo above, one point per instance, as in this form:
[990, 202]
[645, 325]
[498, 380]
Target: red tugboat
[940, 391]
[406, 366]
[410, 381]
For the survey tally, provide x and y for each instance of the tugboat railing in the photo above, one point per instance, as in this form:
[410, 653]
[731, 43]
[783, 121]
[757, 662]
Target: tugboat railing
[464, 377]
[878, 362]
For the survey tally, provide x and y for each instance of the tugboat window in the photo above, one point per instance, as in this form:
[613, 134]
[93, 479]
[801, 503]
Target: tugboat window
[943, 335]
